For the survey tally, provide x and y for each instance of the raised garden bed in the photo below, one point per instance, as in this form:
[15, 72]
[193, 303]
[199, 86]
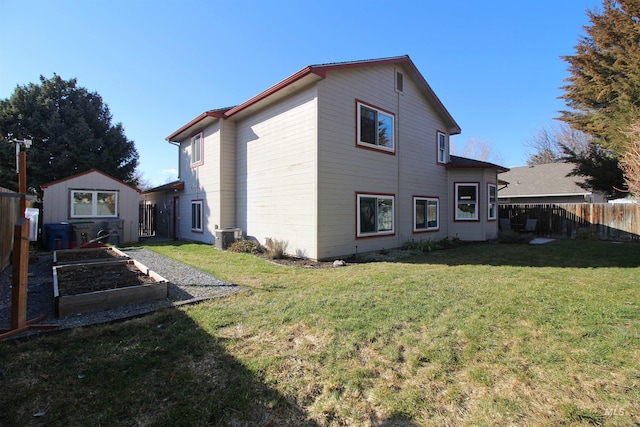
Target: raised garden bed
[80, 256]
[94, 286]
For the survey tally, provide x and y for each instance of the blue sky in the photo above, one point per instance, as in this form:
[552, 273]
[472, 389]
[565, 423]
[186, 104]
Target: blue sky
[495, 65]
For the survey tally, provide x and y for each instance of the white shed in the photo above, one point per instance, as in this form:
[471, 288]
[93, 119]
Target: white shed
[93, 204]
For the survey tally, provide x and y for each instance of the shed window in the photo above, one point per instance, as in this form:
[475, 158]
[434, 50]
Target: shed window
[89, 203]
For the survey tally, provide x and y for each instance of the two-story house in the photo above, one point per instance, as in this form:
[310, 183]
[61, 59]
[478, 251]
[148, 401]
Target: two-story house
[335, 159]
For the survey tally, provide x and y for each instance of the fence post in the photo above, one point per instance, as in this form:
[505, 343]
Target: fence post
[19, 275]
[19, 283]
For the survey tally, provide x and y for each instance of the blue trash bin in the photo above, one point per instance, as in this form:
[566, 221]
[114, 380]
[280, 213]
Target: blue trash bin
[58, 235]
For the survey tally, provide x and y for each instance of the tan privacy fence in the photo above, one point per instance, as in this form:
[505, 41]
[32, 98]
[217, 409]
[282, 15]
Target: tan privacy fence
[9, 214]
[606, 221]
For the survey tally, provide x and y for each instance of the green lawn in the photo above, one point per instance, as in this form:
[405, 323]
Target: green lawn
[485, 334]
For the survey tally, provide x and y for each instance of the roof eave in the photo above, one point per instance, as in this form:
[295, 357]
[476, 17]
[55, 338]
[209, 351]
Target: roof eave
[302, 78]
[203, 119]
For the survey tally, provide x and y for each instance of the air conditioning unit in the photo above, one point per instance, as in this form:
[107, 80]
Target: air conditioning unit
[225, 237]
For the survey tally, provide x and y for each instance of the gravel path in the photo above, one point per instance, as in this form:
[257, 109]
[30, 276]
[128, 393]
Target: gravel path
[186, 285]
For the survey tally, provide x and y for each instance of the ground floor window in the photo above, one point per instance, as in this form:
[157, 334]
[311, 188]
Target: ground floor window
[466, 201]
[425, 214]
[375, 215]
[90, 203]
[196, 215]
[492, 194]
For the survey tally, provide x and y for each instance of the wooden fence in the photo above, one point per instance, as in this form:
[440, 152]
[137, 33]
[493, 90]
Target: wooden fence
[606, 221]
[9, 215]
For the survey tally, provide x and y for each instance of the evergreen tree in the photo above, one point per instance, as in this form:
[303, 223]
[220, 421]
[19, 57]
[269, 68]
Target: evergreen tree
[630, 162]
[71, 131]
[599, 167]
[603, 91]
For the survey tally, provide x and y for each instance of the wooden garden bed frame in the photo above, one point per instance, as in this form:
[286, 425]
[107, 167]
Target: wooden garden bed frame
[114, 255]
[110, 298]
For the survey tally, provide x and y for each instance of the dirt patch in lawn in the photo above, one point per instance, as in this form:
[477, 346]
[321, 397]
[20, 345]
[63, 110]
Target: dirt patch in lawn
[82, 279]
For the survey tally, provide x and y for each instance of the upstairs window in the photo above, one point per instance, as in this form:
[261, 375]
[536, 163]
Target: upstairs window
[196, 150]
[88, 204]
[467, 202]
[375, 215]
[492, 202]
[442, 147]
[375, 128]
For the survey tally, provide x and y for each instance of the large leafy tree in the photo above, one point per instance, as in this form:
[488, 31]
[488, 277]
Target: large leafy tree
[72, 132]
[603, 90]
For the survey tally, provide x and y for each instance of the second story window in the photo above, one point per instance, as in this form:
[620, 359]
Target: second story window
[442, 147]
[196, 150]
[375, 128]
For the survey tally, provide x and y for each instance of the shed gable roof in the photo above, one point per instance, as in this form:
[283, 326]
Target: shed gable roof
[90, 171]
[304, 77]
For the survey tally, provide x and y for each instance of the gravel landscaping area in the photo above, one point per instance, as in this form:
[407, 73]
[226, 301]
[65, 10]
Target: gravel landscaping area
[186, 285]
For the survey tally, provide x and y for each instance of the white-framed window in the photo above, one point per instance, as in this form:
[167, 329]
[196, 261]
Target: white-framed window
[197, 215]
[466, 201]
[376, 128]
[492, 202]
[426, 214]
[196, 150]
[442, 147]
[375, 215]
[94, 203]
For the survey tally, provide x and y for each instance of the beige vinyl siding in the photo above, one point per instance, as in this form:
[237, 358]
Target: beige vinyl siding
[346, 169]
[228, 174]
[276, 173]
[201, 182]
[56, 202]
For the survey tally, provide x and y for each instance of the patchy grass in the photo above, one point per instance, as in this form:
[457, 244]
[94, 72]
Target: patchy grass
[484, 334]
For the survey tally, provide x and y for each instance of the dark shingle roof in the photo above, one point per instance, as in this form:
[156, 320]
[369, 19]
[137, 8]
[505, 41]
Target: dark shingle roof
[457, 162]
[542, 180]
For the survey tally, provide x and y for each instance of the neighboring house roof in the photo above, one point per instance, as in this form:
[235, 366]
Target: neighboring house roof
[542, 181]
[303, 78]
[457, 162]
[49, 184]
[174, 185]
